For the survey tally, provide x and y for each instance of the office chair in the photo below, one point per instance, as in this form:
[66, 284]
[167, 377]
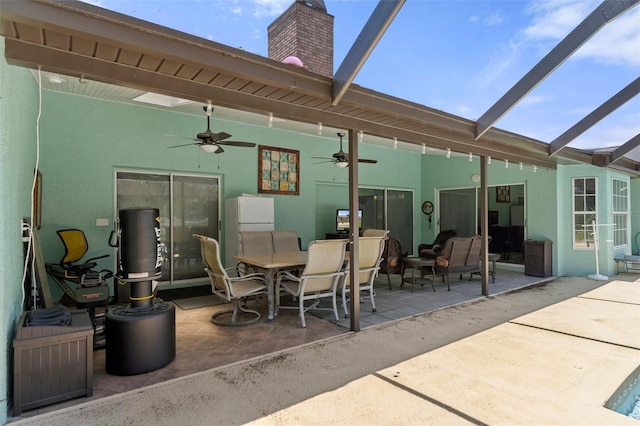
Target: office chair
[90, 290]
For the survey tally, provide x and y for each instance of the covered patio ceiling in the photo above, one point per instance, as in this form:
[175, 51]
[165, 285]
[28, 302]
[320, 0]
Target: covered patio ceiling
[89, 43]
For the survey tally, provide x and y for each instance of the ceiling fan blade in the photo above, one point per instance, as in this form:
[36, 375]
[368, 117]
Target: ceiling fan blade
[219, 136]
[323, 158]
[219, 150]
[237, 143]
[364, 160]
[180, 136]
[185, 144]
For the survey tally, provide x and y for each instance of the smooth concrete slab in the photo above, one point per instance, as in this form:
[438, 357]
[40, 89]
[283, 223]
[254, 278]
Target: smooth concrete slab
[511, 374]
[596, 315]
[617, 291]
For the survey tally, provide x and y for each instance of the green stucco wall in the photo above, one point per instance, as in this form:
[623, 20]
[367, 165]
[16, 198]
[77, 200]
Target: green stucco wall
[85, 140]
[18, 116]
[441, 173]
[581, 262]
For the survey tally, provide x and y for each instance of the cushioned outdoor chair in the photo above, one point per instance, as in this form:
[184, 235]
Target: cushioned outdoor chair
[232, 289]
[371, 232]
[459, 255]
[369, 257]
[392, 259]
[319, 279]
[432, 250]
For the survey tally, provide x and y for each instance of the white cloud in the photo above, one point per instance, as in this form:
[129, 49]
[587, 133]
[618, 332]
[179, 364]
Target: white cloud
[493, 19]
[535, 99]
[618, 43]
[498, 64]
[554, 19]
[269, 8]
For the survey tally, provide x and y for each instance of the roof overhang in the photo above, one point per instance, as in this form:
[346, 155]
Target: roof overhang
[77, 39]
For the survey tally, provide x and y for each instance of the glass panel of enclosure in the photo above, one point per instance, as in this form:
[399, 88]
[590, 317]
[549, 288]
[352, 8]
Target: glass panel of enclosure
[390, 209]
[400, 217]
[187, 204]
[620, 203]
[459, 209]
[584, 211]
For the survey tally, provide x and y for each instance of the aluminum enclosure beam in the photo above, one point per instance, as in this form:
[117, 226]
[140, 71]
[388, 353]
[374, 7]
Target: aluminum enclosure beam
[603, 14]
[378, 22]
[619, 152]
[596, 115]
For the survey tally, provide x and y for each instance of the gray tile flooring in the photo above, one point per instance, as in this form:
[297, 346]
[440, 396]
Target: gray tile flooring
[399, 302]
[200, 345]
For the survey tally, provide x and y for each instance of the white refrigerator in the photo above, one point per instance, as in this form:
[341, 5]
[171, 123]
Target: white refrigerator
[245, 214]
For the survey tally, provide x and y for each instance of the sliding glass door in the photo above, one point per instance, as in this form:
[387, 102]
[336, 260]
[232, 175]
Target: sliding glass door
[460, 210]
[390, 209]
[188, 205]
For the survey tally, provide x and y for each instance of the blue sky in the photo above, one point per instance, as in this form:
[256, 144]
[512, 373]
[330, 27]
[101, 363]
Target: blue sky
[458, 56]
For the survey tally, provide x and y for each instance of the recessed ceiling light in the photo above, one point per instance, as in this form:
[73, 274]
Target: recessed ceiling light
[161, 100]
[55, 79]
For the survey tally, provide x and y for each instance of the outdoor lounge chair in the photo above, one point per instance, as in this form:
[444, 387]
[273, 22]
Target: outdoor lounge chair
[432, 250]
[392, 259]
[459, 255]
[319, 279]
[369, 257]
[231, 289]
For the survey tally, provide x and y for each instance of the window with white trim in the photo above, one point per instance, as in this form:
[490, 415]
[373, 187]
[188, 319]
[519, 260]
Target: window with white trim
[584, 211]
[620, 205]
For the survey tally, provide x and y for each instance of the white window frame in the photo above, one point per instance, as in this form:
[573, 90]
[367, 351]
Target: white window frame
[586, 216]
[620, 211]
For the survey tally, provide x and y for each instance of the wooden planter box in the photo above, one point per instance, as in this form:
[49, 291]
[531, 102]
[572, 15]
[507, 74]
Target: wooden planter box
[52, 363]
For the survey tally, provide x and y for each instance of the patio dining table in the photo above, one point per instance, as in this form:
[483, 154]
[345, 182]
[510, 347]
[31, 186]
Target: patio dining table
[272, 263]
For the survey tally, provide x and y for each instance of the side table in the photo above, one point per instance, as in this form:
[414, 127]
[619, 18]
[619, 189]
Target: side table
[493, 258]
[415, 262]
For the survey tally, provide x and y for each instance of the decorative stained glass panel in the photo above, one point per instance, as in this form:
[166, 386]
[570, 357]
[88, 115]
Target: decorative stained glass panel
[278, 170]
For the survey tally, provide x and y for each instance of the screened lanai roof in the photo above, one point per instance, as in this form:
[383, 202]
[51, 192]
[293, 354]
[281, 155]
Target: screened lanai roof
[120, 54]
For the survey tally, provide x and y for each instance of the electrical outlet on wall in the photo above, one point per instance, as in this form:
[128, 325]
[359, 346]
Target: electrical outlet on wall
[102, 222]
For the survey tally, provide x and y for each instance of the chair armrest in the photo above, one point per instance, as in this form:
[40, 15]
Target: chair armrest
[424, 247]
[254, 276]
[288, 275]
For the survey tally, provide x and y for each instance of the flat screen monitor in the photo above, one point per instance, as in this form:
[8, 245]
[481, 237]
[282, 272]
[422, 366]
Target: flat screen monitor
[343, 221]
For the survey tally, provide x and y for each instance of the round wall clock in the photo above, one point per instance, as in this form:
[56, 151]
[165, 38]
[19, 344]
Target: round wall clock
[427, 207]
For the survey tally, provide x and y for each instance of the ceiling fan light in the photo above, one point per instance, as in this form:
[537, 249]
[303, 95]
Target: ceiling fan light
[342, 164]
[209, 148]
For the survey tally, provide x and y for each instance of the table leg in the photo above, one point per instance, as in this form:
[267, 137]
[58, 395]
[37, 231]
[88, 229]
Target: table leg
[433, 278]
[270, 276]
[412, 279]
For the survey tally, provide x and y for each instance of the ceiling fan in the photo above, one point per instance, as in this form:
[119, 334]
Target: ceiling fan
[341, 158]
[211, 142]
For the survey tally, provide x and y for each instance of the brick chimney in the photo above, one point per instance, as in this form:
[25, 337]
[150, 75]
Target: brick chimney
[305, 31]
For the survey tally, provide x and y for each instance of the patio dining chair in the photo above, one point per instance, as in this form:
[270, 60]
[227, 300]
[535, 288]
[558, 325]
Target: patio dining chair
[369, 257]
[254, 242]
[232, 289]
[319, 279]
[372, 232]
